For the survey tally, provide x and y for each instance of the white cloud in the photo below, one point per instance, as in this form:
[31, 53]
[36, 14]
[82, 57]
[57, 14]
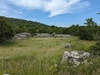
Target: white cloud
[6, 10]
[30, 4]
[55, 7]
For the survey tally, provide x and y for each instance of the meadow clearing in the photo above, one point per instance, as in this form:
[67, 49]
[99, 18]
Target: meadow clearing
[42, 56]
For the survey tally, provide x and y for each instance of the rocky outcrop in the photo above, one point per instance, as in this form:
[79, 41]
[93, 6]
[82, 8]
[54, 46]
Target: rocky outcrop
[75, 57]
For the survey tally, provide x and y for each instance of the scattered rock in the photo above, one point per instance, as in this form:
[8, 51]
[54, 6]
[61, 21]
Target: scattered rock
[76, 58]
[67, 45]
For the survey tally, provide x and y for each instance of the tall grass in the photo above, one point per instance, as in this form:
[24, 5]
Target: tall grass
[42, 56]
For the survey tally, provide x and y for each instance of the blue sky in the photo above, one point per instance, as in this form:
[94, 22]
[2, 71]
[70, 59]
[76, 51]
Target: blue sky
[62, 13]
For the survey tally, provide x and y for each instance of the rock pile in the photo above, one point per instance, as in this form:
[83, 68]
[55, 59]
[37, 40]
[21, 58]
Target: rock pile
[76, 58]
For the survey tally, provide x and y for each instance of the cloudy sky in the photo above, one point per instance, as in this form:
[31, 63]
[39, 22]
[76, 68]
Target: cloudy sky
[52, 12]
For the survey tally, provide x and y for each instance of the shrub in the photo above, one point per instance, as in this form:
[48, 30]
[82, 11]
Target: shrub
[85, 34]
[95, 49]
[6, 30]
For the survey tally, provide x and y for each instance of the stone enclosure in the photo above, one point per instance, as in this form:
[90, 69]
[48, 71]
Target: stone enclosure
[21, 35]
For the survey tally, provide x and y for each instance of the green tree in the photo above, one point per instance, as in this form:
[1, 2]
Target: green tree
[6, 30]
[89, 31]
[74, 30]
[90, 22]
[85, 34]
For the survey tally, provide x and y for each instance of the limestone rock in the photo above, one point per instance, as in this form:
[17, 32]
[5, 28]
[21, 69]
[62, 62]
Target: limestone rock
[75, 57]
[21, 35]
[67, 45]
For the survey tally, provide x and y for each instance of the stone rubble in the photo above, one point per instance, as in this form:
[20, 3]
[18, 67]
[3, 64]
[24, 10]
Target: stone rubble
[75, 57]
[21, 35]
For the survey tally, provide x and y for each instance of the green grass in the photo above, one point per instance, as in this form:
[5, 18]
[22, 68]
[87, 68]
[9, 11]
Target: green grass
[42, 56]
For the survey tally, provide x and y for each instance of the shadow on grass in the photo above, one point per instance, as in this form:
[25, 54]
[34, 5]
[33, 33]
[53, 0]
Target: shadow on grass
[8, 43]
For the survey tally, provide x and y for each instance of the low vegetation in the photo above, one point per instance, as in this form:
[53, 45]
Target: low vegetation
[42, 56]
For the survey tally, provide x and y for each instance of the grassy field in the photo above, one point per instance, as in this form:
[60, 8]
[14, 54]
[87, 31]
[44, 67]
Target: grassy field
[42, 56]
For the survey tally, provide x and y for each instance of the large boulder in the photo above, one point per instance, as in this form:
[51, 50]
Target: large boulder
[75, 57]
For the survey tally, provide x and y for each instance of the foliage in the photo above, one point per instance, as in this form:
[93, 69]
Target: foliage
[20, 25]
[88, 32]
[97, 34]
[74, 30]
[90, 22]
[95, 49]
[6, 31]
[85, 34]
[91, 31]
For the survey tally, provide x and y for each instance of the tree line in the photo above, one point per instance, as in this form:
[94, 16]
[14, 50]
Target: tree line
[90, 30]
[20, 25]
[11, 26]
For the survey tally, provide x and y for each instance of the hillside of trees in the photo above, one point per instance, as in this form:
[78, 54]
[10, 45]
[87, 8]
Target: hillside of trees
[89, 31]
[20, 25]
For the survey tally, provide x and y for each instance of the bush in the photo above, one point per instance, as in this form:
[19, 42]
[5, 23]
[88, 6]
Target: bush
[95, 49]
[85, 34]
[6, 30]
